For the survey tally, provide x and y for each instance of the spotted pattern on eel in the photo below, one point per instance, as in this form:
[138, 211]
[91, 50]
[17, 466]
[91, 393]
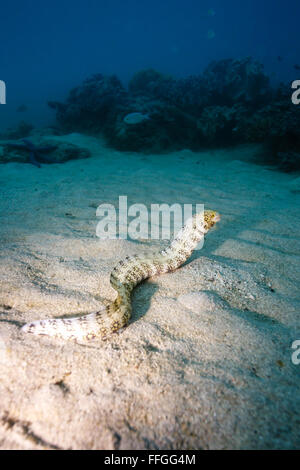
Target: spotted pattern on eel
[124, 277]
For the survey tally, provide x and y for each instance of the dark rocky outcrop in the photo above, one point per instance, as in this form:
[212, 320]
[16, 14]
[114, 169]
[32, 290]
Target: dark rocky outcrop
[232, 102]
[59, 151]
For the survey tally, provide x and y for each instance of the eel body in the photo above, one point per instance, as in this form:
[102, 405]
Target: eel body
[124, 277]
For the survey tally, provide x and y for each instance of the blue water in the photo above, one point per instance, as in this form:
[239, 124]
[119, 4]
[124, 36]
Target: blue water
[46, 47]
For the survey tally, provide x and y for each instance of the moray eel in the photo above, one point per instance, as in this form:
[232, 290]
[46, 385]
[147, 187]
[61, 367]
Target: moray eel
[124, 277]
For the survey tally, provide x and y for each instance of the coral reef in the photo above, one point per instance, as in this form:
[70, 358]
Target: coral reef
[218, 123]
[231, 102]
[151, 83]
[278, 118]
[91, 105]
[233, 81]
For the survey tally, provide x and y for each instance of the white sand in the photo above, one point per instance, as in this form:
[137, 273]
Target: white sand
[206, 360]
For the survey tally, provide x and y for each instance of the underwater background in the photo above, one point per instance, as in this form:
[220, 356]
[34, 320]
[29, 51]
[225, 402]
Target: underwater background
[162, 102]
[48, 48]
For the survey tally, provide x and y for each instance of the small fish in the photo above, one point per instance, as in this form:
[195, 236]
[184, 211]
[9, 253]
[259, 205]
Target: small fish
[136, 118]
[211, 12]
[211, 34]
[297, 67]
[22, 108]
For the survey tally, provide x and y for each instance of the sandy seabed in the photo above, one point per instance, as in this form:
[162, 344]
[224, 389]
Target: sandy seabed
[206, 360]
